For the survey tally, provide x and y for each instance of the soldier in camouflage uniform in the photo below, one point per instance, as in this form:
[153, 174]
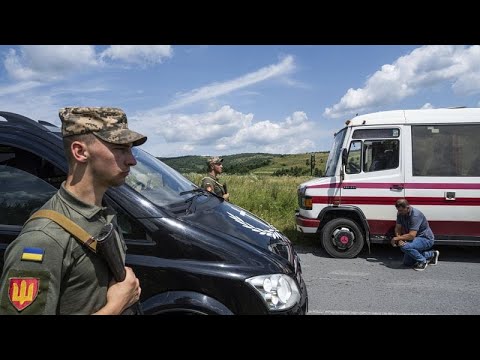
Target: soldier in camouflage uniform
[47, 271]
[210, 182]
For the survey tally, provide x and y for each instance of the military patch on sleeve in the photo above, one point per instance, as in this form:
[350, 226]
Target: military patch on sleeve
[25, 292]
[33, 254]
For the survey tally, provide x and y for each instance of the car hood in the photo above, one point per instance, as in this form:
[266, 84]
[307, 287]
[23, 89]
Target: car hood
[243, 225]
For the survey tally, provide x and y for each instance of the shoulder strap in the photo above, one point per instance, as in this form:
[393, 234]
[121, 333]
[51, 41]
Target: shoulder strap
[80, 234]
[220, 186]
[215, 181]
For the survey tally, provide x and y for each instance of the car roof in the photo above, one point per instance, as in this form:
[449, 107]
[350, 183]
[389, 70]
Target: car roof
[23, 121]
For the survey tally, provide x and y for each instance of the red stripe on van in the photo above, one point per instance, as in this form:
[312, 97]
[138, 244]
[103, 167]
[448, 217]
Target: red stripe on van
[459, 186]
[446, 228]
[390, 200]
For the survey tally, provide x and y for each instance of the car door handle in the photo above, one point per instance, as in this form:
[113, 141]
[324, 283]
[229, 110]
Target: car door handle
[396, 187]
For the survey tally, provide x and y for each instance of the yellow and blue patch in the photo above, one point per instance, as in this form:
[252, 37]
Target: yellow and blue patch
[33, 254]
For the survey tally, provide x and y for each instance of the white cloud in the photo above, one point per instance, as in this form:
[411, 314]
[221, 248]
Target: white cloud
[213, 90]
[138, 54]
[18, 87]
[268, 133]
[48, 62]
[225, 130]
[424, 67]
[195, 128]
[427, 106]
[42, 100]
[38, 107]
[187, 148]
[291, 146]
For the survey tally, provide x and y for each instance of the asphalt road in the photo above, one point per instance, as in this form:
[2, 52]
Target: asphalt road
[378, 284]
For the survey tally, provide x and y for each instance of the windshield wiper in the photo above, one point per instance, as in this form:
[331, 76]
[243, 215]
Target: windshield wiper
[193, 191]
[197, 192]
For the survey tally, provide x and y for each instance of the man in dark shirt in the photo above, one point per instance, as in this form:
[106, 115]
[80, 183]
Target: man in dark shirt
[414, 237]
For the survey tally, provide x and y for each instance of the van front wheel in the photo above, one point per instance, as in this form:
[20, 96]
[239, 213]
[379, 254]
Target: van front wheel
[342, 238]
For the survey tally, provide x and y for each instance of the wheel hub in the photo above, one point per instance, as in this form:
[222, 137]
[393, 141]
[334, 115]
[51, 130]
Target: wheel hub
[343, 238]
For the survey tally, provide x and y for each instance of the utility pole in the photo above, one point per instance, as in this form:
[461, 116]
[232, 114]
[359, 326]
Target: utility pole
[312, 163]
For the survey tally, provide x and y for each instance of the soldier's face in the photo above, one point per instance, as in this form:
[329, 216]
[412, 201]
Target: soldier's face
[110, 163]
[218, 168]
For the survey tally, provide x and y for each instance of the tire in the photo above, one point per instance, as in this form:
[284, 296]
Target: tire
[342, 238]
[181, 312]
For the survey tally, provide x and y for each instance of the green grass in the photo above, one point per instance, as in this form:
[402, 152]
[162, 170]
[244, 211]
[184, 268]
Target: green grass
[272, 198]
[288, 161]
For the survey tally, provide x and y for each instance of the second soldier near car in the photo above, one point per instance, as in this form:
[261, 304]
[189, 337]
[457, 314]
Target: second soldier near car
[210, 182]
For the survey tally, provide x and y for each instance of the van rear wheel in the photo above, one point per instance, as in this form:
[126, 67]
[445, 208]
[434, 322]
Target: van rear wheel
[342, 238]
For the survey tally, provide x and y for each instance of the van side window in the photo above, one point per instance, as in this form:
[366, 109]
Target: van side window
[380, 155]
[25, 184]
[446, 150]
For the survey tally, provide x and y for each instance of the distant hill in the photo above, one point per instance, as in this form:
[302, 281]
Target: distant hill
[256, 163]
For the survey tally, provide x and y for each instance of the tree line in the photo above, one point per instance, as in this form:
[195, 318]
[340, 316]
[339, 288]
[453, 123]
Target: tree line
[241, 164]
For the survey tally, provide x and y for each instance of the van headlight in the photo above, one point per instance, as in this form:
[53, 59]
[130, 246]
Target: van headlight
[279, 291]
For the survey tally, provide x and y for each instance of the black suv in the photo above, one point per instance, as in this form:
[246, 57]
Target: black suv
[193, 252]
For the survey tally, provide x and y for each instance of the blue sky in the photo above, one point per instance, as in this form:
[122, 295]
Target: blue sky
[220, 100]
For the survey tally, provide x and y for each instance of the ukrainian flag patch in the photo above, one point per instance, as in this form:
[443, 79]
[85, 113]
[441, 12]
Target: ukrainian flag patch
[33, 254]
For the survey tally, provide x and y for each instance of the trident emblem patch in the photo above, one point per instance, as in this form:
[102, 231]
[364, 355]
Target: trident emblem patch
[23, 291]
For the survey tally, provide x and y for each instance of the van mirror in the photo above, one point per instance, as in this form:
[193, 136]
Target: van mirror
[344, 157]
[344, 162]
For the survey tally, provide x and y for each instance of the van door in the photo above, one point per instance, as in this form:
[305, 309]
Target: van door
[374, 177]
[443, 180]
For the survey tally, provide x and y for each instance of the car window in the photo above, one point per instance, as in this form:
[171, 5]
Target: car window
[131, 228]
[157, 181]
[21, 193]
[27, 181]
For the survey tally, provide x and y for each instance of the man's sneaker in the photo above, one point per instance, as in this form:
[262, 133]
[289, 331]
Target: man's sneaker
[420, 266]
[434, 259]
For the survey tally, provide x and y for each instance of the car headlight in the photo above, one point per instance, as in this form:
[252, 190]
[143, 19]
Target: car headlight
[279, 291]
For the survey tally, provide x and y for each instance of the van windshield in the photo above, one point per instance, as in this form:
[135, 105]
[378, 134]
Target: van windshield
[335, 152]
[157, 181]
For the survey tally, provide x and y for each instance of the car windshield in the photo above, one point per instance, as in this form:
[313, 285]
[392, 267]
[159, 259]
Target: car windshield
[334, 155]
[157, 181]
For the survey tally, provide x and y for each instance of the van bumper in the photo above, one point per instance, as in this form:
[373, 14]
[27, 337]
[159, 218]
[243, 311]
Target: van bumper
[306, 225]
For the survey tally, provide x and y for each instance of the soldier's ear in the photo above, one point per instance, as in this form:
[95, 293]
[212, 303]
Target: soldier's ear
[79, 151]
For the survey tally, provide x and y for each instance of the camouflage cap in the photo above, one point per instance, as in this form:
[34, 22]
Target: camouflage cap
[108, 124]
[214, 160]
